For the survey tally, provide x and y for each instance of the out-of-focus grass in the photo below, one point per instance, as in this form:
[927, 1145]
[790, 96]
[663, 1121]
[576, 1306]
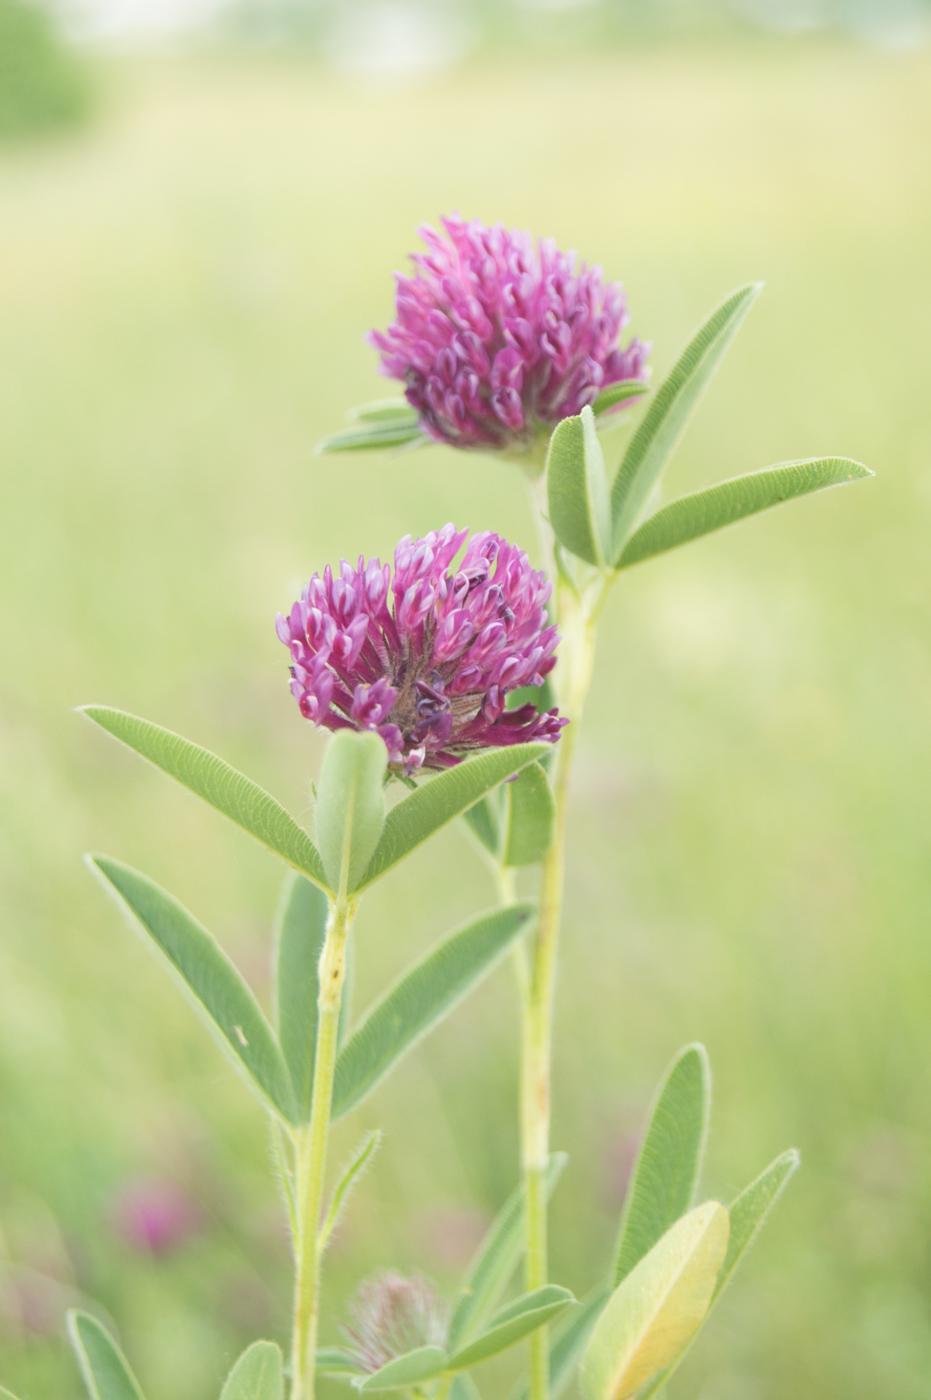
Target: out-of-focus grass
[182, 300]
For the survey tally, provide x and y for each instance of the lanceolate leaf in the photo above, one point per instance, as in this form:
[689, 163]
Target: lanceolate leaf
[396, 411]
[618, 393]
[666, 1173]
[704, 511]
[350, 806]
[405, 1371]
[301, 929]
[486, 818]
[104, 1367]
[670, 410]
[346, 1184]
[376, 427]
[333, 1361]
[438, 800]
[495, 1261]
[577, 489]
[570, 1339]
[206, 971]
[422, 996]
[748, 1213]
[257, 1375]
[229, 791]
[531, 817]
[513, 1323]
[656, 1311]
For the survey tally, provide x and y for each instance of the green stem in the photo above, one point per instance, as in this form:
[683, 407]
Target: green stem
[311, 1151]
[577, 618]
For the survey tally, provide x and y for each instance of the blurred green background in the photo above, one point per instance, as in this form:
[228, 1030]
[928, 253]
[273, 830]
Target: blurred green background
[184, 287]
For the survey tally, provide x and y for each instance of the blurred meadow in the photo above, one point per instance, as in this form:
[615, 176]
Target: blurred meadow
[184, 287]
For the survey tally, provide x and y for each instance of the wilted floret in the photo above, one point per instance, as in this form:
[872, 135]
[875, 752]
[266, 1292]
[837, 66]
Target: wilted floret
[391, 1315]
[426, 659]
[498, 335]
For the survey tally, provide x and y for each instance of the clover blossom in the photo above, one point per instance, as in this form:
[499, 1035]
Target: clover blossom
[391, 1315]
[427, 658]
[498, 337]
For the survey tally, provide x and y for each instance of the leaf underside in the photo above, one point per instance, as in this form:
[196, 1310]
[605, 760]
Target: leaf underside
[105, 1369]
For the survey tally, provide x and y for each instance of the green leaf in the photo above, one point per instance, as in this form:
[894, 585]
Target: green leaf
[670, 410]
[570, 1338]
[229, 791]
[463, 1387]
[394, 410]
[206, 972]
[415, 1366]
[495, 1260]
[665, 1177]
[104, 1367]
[748, 1213]
[257, 1375]
[350, 806]
[485, 820]
[300, 931]
[531, 817]
[658, 1308]
[333, 1361]
[420, 998]
[346, 1184]
[442, 798]
[513, 1323]
[391, 431]
[618, 393]
[717, 506]
[577, 489]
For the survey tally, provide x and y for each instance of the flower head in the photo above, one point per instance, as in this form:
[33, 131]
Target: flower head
[426, 659]
[391, 1315]
[498, 336]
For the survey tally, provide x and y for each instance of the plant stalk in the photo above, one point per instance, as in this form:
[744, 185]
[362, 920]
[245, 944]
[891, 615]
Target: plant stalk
[311, 1153]
[577, 614]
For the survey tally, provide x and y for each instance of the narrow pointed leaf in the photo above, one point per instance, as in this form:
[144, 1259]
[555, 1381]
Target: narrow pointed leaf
[333, 1361]
[615, 394]
[670, 410]
[105, 1369]
[257, 1375]
[405, 1371]
[570, 1338]
[350, 810]
[217, 988]
[463, 1387]
[346, 1185]
[513, 1324]
[651, 1317]
[718, 506]
[748, 1213]
[495, 1260]
[665, 1177]
[367, 435]
[420, 998]
[230, 792]
[577, 489]
[531, 817]
[486, 818]
[301, 929]
[439, 800]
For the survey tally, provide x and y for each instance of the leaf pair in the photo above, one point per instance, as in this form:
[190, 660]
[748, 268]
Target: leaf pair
[257, 1375]
[281, 1067]
[672, 1259]
[599, 524]
[515, 822]
[348, 825]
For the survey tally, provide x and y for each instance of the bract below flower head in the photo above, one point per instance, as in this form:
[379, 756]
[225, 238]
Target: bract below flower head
[391, 1315]
[499, 336]
[426, 658]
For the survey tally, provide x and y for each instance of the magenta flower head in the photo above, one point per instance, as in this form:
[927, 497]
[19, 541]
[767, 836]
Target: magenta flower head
[498, 337]
[391, 1315]
[427, 658]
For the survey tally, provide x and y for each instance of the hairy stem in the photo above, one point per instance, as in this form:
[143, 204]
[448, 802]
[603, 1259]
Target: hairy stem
[577, 617]
[311, 1152]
